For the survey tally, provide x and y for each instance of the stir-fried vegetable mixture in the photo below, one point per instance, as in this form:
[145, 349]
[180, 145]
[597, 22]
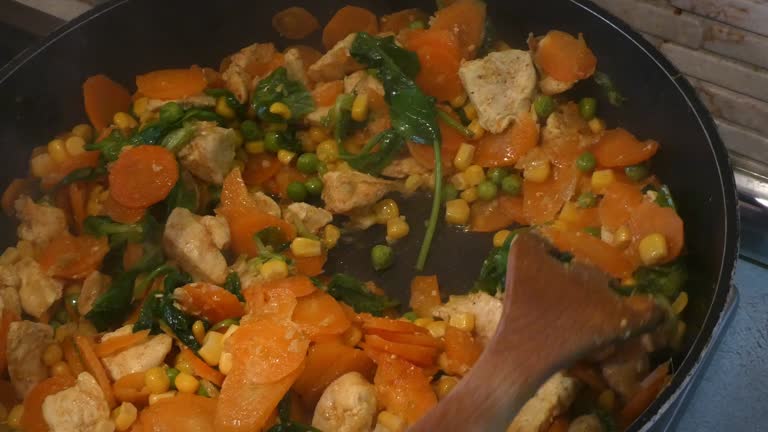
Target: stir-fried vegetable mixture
[168, 274]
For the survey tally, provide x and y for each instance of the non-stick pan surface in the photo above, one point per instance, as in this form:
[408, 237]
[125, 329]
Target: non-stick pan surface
[40, 95]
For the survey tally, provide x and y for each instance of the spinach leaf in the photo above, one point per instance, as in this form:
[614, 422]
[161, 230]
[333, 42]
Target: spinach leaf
[664, 197]
[118, 233]
[450, 121]
[82, 174]
[271, 241]
[179, 322]
[493, 272]
[490, 36]
[605, 82]
[232, 284]
[389, 143]
[159, 307]
[149, 312]
[286, 424]
[184, 194]
[340, 118]
[277, 87]
[353, 292]
[667, 279]
[141, 287]
[110, 147]
[113, 306]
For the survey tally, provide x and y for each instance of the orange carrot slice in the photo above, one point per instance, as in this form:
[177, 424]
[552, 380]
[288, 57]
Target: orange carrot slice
[425, 340]
[121, 213]
[542, 201]
[490, 216]
[299, 285]
[416, 354]
[564, 57]
[348, 20]
[182, 413]
[32, 419]
[208, 301]
[576, 219]
[618, 148]
[650, 218]
[73, 257]
[200, 368]
[325, 94]
[171, 83]
[451, 141]
[284, 177]
[397, 326]
[440, 58]
[142, 176]
[592, 250]
[131, 388]
[425, 295]
[260, 168]
[309, 266]
[403, 388]
[295, 23]
[94, 367]
[466, 20]
[398, 21]
[506, 148]
[119, 343]
[72, 357]
[461, 350]
[319, 314]
[268, 350]
[77, 201]
[618, 203]
[104, 98]
[650, 388]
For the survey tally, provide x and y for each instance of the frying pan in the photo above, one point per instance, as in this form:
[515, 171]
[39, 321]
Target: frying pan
[40, 95]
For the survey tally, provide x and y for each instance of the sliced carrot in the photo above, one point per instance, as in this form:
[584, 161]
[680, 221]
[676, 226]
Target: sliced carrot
[103, 98]
[466, 19]
[267, 350]
[326, 362]
[208, 301]
[420, 339]
[348, 20]
[564, 57]
[244, 224]
[77, 201]
[299, 285]
[451, 141]
[394, 23]
[32, 418]
[308, 55]
[618, 148]
[276, 304]
[201, 368]
[121, 213]
[142, 176]
[559, 424]
[397, 326]
[131, 388]
[325, 94]
[592, 250]
[16, 189]
[295, 23]
[73, 257]
[309, 266]
[7, 316]
[461, 350]
[650, 218]
[171, 83]
[403, 388]
[490, 216]
[184, 412]
[419, 355]
[260, 168]
[425, 295]
[542, 201]
[72, 357]
[94, 367]
[440, 58]
[89, 159]
[650, 388]
[234, 194]
[319, 314]
[575, 218]
[506, 148]
[619, 201]
[119, 343]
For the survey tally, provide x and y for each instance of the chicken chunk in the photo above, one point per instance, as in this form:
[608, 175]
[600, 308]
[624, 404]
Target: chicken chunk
[404, 167]
[586, 423]
[266, 204]
[317, 117]
[199, 101]
[187, 241]
[236, 75]
[336, 63]
[9, 299]
[94, 285]
[211, 153]
[26, 342]
[486, 309]
[624, 370]
[550, 86]
[501, 86]
[348, 404]
[218, 228]
[344, 191]
[552, 399]
[308, 216]
[39, 222]
[361, 82]
[82, 408]
[138, 358]
[294, 66]
[37, 290]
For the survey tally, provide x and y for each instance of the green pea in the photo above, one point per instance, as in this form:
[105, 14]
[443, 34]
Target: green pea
[203, 391]
[172, 374]
[544, 105]
[586, 200]
[307, 163]
[586, 162]
[382, 257]
[314, 186]
[297, 191]
[637, 172]
[588, 108]
[593, 231]
[272, 142]
[410, 316]
[512, 185]
[487, 190]
[251, 130]
[171, 112]
[450, 192]
[496, 175]
[417, 25]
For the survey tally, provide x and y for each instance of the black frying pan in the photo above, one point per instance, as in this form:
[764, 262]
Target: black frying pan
[40, 95]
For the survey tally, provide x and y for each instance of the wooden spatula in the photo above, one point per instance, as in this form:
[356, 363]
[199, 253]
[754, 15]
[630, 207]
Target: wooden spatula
[553, 314]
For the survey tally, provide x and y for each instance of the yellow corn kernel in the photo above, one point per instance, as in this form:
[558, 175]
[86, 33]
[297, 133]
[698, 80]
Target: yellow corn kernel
[84, 131]
[52, 354]
[186, 383]
[474, 175]
[464, 156]
[385, 210]
[678, 306]
[469, 195]
[274, 269]
[442, 361]
[281, 109]
[413, 183]
[328, 151]
[74, 145]
[476, 129]
[156, 380]
[459, 181]
[653, 248]
[154, 398]
[124, 121]
[124, 416]
[57, 150]
[459, 100]
[254, 147]
[437, 328]
[352, 336]
[60, 368]
[470, 110]
[397, 228]
[538, 171]
[457, 212]
[14, 417]
[225, 363]
[622, 236]
[223, 109]
[423, 322]
[317, 134]
[501, 237]
[331, 236]
[607, 400]
[360, 108]
[230, 331]
[41, 165]
[463, 321]
[182, 365]
[391, 422]
[596, 125]
[285, 156]
[140, 106]
[601, 179]
[444, 385]
[198, 331]
[304, 247]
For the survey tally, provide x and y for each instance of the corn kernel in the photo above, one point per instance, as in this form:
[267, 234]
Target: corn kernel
[352, 336]
[464, 156]
[328, 151]
[653, 248]
[476, 129]
[154, 398]
[182, 365]
[501, 237]
[443, 362]
[423, 322]
[331, 236]
[14, 417]
[474, 175]
[596, 125]
[124, 121]
[459, 100]
[570, 213]
[198, 331]
[391, 422]
[397, 228]
[437, 328]
[84, 131]
[457, 212]
[607, 400]
[223, 109]
[254, 147]
[317, 134]
[186, 383]
[444, 385]
[459, 181]
[385, 210]
[678, 306]
[274, 269]
[57, 150]
[225, 363]
[140, 106]
[306, 248]
[285, 156]
[622, 237]
[156, 380]
[463, 321]
[281, 109]
[538, 171]
[601, 179]
[470, 111]
[413, 183]
[41, 165]
[52, 354]
[124, 416]
[74, 145]
[360, 108]
[60, 368]
[469, 195]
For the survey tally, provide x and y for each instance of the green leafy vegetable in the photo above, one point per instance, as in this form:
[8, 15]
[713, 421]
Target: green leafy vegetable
[667, 280]
[664, 197]
[277, 87]
[340, 118]
[389, 143]
[82, 174]
[286, 424]
[232, 284]
[110, 147]
[140, 288]
[112, 307]
[615, 98]
[493, 272]
[178, 139]
[450, 121]
[232, 102]
[184, 194]
[353, 292]
[119, 233]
